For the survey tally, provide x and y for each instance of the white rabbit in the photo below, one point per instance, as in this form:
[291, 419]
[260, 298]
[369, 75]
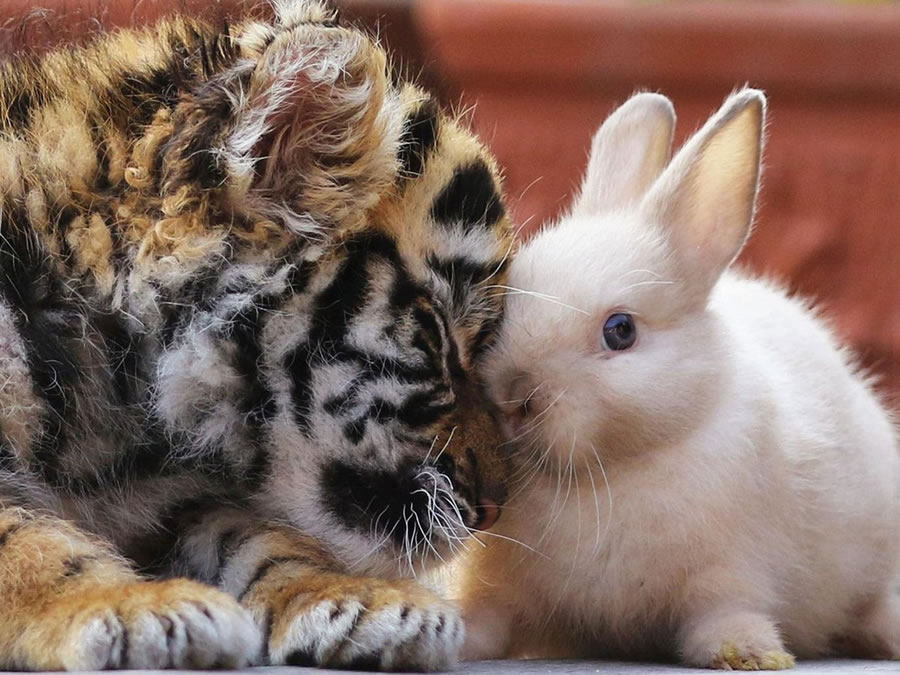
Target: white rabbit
[703, 473]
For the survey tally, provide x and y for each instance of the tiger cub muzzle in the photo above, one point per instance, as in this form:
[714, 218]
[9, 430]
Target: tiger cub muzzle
[427, 504]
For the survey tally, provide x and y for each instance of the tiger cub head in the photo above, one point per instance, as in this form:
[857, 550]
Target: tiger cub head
[378, 437]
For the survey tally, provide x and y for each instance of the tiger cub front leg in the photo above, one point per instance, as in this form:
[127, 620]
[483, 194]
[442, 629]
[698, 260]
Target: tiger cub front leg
[314, 614]
[69, 603]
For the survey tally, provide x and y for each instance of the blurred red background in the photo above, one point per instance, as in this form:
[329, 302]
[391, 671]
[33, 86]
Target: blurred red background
[543, 74]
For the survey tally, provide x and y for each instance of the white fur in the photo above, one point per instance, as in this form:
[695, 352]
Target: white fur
[725, 490]
[294, 12]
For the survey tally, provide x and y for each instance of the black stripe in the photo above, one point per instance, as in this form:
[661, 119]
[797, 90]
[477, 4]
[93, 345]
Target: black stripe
[335, 308]
[265, 567]
[355, 430]
[62, 219]
[267, 636]
[462, 274]
[484, 337]
[123, 356]
[101, 179]
[206, 64]
[298, 363]
[11, 530]
[219, 52]
[229, 542]
[405, 292]
[75, 566]
[421, 410]
[256, 400]
[148, 91]
[50, 323]
[419, 138]
[7, 456]
[195, 295]
[471, 198]
[119, 257]
[201, 118]
[379, 411]
[357, 620]
[429, 327]
[345, 296]
[156, 554]
[297, 278]
[372, 368]
[376, 366]
[261, 571]
[124, 652]
[452, 361]
[193, 141]
[18, 111]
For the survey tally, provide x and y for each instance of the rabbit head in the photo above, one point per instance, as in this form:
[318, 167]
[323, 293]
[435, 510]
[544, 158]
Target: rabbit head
[607, 345]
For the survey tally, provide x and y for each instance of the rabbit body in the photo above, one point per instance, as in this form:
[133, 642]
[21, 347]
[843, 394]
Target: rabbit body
[726, 489]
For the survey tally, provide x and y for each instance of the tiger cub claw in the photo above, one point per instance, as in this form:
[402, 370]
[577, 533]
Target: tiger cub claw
[141, 625]
[363, 623]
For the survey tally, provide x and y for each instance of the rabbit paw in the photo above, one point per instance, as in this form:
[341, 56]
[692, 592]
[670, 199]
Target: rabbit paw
[141, 625]
[361, 623]
[738, 641]
[745, 657]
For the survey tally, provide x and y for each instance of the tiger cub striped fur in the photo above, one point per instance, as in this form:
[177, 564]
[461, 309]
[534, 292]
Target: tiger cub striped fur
[245, 277]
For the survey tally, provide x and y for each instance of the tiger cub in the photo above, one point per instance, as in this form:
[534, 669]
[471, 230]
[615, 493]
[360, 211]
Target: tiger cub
[245, 277]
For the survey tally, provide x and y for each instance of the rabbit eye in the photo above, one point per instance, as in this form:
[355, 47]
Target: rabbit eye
[619, 332]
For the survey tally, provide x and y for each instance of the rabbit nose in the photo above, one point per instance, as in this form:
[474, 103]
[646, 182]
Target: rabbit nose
[488, 513]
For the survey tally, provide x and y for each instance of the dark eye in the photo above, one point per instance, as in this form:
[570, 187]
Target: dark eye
[619, 332]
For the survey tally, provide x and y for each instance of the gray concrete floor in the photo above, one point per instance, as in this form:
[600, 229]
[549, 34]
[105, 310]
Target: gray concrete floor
[579, 668]
[615, 667]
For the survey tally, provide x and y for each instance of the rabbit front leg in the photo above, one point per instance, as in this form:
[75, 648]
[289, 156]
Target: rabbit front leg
[735, 639]
[488, 627]
[725, 624]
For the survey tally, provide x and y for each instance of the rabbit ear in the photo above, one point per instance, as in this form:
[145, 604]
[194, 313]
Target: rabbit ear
[705, 200]
[627, 154]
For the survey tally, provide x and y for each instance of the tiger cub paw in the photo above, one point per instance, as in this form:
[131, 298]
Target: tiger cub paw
[141, 625]
[362, 623]
[739, 641]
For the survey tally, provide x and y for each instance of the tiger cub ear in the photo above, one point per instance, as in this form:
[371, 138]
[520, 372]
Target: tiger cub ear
[316, 137]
